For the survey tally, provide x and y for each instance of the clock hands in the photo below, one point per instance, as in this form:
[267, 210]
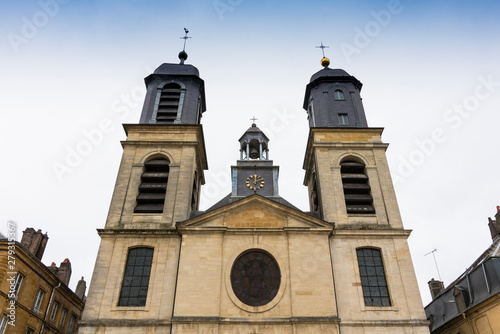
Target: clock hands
[255, 179]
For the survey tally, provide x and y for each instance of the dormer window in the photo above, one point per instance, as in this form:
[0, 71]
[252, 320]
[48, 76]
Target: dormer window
[462, 299]
[338, 95]
[343, 119]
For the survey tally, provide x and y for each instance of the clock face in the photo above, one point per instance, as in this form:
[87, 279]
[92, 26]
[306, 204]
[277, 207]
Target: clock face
[255, 182]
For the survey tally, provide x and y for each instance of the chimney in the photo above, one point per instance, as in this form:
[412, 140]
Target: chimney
[53, 268]
[80, 288]
[35, 242]
[64, 271]
[494, 225]
[436, 287]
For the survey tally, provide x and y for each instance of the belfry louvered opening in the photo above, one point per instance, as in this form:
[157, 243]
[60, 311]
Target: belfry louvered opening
[356, 188]
[168, 105]
[153, 186]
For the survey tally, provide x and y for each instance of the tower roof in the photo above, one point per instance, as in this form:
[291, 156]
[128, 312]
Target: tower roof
[177, 69]
[334, 74]
[252, 132]
[329, 72]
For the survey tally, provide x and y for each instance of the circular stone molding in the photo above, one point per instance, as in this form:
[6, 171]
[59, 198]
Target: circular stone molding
[254, 280]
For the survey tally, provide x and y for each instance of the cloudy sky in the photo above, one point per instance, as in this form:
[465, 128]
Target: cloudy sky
[72, 72]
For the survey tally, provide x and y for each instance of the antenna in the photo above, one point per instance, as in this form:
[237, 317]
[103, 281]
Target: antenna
[435, 262]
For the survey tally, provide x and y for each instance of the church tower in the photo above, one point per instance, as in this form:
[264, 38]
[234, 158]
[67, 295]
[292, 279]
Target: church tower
[158, 184]
[349, 184]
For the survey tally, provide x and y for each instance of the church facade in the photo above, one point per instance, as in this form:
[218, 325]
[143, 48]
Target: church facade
[253, 263]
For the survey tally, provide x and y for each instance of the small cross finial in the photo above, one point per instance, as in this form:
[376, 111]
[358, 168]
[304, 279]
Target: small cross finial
[323, 47]
[253, 119]
[185, 37]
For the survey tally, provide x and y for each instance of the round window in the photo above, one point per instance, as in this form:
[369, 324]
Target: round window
[255, 278]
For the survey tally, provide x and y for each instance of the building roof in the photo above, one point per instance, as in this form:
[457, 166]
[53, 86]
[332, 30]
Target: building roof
[480, 282]
[177, 69]
[231, 199]
[329, 72]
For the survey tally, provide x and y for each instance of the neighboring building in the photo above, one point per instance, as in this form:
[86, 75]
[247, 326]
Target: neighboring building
[253, 263]
[471, 304]
[33, 297]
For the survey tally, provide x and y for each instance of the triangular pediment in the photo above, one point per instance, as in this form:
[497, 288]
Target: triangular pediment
[256, 212]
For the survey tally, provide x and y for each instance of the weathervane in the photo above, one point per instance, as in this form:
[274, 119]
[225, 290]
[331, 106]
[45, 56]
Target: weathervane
[185, 38]
[324, 61]
[183, 55]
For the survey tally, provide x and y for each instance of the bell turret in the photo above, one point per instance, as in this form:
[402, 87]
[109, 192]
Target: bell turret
[253, 144]
[254, 173]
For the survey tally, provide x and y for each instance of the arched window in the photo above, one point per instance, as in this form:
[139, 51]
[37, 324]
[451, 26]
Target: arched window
[194, 195]
[373, 280]
[168, 106]
[314, 194]
[135, 283]
[356, 188]
[338, 95]
[153, 187]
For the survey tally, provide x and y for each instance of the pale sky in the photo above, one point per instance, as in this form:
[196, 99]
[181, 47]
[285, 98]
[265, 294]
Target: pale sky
[73, 71]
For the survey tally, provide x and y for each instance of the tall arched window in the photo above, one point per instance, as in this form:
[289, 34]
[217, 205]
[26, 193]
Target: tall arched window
[194, 195]
[153, 187]
[373, 280]
[356, 188]
[314, 194]
[168, 106]
[338, 95]
[135, 283]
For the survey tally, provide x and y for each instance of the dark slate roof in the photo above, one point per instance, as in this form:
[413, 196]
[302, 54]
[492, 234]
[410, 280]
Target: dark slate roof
[332, 75]
[314, 214]
[196, 214]
[177, 69]
[472, 283]
[253, 129]
[230, 199]
[329, 72]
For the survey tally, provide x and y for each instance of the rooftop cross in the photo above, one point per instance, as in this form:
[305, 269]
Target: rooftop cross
[185, 39]
[253, 119]
[323, 47]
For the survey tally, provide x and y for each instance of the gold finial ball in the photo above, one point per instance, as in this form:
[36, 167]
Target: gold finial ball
[325, 62]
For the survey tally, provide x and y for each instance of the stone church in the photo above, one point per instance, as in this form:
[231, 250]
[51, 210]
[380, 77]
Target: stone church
[253, 262]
